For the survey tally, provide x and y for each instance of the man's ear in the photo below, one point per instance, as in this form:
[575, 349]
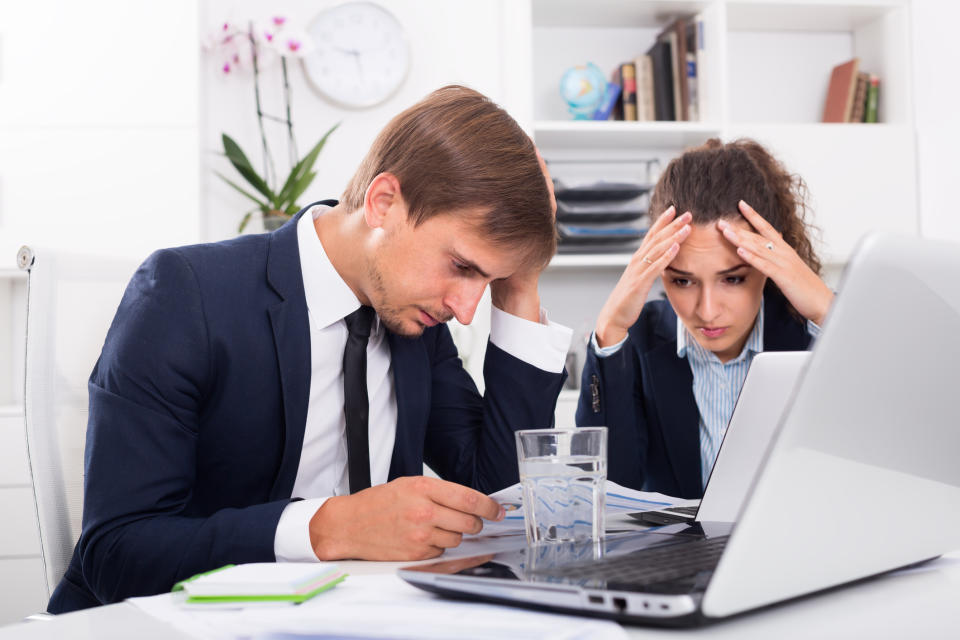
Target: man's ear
[382, 201]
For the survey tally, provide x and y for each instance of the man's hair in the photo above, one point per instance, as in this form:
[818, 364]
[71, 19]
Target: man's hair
[457, 150]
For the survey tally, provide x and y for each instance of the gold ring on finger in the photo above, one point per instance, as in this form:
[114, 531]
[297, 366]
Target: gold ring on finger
[647, 260]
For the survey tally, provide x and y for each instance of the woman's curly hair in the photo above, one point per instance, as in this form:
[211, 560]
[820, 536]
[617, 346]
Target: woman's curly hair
[710, 180]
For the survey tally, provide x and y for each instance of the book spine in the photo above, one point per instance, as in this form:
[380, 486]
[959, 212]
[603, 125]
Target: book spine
[610, 96]
[629, 94]
[692, 103]
[860, 98]
[662, 80]
[645, 108]
[873, 92]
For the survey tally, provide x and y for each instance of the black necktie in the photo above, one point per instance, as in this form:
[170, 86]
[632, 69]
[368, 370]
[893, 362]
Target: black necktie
[355, 403]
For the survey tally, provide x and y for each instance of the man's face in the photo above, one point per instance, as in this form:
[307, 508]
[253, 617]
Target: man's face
[713, 291]
[424, 275]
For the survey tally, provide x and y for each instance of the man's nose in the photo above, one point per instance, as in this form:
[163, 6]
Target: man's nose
[463, 300]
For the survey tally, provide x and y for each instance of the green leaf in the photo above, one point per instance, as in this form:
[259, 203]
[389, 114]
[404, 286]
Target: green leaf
[300, 187]
[239, 160]
[301, 169]
[264, 206]
[243, 223]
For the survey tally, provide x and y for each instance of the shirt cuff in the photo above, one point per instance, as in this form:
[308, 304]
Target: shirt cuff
[543, 344]
[813, 329]
[609, 350]
[291, 543]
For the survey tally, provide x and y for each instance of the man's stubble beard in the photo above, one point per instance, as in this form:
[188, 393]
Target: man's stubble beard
[391, 316]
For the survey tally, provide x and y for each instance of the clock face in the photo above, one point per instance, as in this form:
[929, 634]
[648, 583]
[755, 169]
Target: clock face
[360, 55]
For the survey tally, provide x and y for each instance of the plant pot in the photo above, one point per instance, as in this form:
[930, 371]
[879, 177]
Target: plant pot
[274, 222]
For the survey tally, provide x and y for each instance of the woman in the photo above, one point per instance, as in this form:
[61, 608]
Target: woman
[740, 274]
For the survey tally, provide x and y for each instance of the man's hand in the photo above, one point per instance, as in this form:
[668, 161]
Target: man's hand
[519, 294]
[412, 518]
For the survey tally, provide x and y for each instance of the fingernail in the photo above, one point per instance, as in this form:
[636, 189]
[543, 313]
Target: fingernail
[674, 247]
[685, 229]
[741, 251]
[502, 514]
[688, 216]
[721, 224]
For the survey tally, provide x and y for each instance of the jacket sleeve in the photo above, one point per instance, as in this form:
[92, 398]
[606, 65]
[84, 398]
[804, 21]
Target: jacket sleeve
[470, 438]
[147, 395]
[611, 396]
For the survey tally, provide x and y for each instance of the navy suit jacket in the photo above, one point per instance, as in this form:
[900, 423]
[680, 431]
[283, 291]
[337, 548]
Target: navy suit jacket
[198, 405]
[643, 394]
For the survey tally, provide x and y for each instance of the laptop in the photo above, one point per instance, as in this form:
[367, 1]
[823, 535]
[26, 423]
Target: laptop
[764, 395]
[870, 427]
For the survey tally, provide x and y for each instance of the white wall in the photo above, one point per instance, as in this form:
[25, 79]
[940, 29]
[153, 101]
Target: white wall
[451, 41]
[937, 103]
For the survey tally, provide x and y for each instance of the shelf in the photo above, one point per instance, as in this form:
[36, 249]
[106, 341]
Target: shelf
[620, 134]
[590, 260]
[610, 13]
[11, 410]
[808, 16]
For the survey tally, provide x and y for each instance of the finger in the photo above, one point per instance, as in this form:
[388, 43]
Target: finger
[445, 539]
[758, 222]
[758, 261]
[464, 499]
[657, 235]
[656, 251]
[662, 220]
[746, 238]
[456, 521]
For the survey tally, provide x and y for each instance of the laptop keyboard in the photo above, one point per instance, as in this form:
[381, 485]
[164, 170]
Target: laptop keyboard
[648, 566]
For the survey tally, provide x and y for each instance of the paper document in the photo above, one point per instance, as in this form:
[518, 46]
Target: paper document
[378, 606]
[620, 501]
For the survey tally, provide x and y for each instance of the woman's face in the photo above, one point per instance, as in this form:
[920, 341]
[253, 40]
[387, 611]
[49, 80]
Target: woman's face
[713, 291]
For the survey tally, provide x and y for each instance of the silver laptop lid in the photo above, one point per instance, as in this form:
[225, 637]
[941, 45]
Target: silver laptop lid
[767, 389]
[872, 429]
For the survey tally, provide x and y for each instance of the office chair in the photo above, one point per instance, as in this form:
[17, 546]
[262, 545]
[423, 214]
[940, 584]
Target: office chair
[71, 300]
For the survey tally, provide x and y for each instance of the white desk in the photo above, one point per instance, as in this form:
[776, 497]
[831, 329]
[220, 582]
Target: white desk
[922, 603]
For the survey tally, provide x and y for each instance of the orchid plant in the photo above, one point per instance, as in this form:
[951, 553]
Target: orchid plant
[248, 46]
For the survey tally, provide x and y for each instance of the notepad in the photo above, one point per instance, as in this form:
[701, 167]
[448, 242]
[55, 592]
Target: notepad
[261, 582]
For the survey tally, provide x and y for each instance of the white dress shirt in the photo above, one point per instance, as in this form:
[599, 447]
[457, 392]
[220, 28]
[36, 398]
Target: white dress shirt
[322, 471]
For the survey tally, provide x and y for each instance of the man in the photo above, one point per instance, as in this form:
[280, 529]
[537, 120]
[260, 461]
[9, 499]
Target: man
[249, 407]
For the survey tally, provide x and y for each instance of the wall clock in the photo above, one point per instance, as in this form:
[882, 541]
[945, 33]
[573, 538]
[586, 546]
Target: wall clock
[360, 55]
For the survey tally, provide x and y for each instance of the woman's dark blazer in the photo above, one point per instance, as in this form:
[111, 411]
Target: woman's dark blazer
[643, 394]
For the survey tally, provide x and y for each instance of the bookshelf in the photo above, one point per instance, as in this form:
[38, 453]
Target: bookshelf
[765, 70]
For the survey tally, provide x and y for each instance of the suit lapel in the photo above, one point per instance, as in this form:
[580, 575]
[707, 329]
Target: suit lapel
[291, 336]
[411, 379]
[670, 382]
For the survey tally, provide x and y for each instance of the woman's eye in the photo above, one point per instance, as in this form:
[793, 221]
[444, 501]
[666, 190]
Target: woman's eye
[681, 282]
[734, 279]
[459, 266]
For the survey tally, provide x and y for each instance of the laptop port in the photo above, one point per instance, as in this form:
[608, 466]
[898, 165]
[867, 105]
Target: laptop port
[595, 599]
[620, 604]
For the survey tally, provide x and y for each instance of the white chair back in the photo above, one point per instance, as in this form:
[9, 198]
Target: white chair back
[71, 300]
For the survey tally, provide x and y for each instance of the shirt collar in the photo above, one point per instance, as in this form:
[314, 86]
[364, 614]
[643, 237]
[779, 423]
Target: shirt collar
[329, 299]
[687, 344]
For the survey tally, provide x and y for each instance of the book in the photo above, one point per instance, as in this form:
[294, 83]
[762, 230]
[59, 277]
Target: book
[873, 91]
[645, 100]
[661, 56]
[677, 82]
[859, 111]
[261, 582]
[628, 95]
[691, 79]
[615, 78]
[840, 93]
[610, 97]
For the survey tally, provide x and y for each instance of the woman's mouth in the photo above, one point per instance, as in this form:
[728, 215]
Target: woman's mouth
[713, 332]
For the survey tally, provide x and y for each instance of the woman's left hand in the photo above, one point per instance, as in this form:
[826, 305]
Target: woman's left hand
[767, 252]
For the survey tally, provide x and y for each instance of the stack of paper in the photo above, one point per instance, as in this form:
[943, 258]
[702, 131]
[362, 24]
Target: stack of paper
[291, 582]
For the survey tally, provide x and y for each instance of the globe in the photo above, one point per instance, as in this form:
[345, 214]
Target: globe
[582, 87]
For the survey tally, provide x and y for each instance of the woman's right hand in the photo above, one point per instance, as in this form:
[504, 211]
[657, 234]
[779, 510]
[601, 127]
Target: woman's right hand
[657, 250]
